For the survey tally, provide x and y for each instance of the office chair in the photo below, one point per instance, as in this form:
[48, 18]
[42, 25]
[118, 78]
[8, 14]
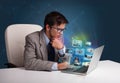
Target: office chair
[15, 42]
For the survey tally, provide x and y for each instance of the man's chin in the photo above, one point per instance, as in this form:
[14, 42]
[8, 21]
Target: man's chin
[57, 37]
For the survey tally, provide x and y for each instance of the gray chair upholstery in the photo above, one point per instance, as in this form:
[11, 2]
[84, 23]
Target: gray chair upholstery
[15, 41]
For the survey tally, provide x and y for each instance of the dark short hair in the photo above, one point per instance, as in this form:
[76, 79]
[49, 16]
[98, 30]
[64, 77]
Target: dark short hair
[54, 18]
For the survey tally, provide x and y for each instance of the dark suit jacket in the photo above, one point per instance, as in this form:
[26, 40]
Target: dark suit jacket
[35, 54]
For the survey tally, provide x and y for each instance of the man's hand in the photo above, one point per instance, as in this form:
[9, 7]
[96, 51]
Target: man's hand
[63, 65]
[57, 43]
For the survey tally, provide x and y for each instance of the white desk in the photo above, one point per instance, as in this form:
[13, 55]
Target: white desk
[106, 72]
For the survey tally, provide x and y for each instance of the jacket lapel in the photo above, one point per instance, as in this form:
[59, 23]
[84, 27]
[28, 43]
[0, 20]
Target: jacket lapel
[43, 48]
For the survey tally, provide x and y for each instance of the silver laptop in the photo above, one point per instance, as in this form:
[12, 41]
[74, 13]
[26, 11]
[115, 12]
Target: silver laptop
[86, 69]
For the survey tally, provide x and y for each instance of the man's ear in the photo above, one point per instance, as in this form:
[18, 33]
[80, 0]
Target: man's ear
[47, 27]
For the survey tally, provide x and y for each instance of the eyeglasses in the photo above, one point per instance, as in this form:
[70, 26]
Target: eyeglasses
[58, 29]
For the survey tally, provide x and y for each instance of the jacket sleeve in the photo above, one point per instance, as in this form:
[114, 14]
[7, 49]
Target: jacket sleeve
[32, 61]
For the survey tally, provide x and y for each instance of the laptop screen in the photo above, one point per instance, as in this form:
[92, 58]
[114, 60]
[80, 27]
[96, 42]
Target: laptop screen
[82, 60]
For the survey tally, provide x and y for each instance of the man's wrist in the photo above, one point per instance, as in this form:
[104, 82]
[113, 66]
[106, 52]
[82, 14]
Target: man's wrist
[62, 51]
[60, 47]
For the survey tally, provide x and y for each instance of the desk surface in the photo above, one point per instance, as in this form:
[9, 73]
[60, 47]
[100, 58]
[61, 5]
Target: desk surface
[106, 72]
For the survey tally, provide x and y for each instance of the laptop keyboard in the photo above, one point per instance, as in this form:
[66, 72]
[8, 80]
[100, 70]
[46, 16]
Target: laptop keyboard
[71, 68]
[83, 69]
[78, 69]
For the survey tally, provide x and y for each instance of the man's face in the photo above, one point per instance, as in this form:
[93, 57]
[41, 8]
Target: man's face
[56, 31]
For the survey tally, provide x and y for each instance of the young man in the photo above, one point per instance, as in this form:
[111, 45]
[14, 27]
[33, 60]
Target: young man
[44, 48]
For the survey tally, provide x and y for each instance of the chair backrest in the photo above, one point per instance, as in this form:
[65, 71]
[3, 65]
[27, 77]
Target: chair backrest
[15, 41]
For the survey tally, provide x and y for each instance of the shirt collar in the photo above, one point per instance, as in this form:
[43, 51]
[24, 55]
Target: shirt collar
[46, 39]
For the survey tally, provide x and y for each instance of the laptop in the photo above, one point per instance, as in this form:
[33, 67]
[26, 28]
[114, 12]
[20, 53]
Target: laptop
[84, 70]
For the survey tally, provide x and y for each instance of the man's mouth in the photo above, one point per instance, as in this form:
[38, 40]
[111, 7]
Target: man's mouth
[59, 36]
